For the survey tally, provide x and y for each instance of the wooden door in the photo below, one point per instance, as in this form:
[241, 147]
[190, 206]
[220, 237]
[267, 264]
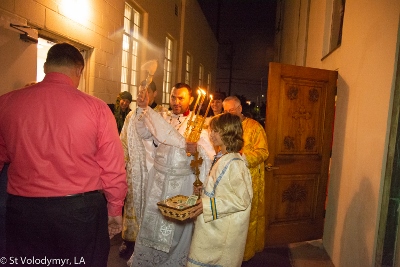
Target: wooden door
[299, 122]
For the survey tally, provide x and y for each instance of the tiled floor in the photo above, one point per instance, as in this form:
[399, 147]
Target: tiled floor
[304, 254]
[309, 254]
[114, 260]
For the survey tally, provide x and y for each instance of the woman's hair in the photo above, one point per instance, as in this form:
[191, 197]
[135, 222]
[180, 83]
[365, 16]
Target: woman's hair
[219, 96]
[230, 130]
[122, 95]
[118, 113]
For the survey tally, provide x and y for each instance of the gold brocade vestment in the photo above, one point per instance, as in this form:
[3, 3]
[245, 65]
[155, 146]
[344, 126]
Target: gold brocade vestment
[255, 151]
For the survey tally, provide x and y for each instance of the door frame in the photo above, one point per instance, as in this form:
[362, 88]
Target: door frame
[85, 50]
[387, 251]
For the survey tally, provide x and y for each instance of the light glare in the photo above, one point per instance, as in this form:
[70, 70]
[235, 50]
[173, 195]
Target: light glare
[77, 10]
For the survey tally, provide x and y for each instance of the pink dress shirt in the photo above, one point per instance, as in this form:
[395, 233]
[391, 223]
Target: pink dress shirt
[61, 141]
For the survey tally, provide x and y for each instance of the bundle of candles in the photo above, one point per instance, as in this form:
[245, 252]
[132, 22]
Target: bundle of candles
[194, 127]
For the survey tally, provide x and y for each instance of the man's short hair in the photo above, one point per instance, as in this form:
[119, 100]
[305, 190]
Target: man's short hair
[232, 97]
[152, 85]
[64, 54]
[183, 85]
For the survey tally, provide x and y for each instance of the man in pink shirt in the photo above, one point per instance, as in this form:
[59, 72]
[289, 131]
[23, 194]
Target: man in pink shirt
[66, 178]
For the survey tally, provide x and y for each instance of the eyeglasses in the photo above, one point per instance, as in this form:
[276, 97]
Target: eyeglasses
[232, 109]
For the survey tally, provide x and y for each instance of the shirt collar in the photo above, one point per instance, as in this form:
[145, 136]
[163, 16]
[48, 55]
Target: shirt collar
[186, 113]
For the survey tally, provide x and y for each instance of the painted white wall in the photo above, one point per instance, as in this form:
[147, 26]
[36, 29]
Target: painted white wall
[96, 28]
[367, 65]
[366, 62]
[97, 25]
[14, 54]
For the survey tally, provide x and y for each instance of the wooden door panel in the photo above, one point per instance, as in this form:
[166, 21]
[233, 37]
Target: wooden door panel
[300, 108]
[300, 129]
[299, 164]
[293, 200]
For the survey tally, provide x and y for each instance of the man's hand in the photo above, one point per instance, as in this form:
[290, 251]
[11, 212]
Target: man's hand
[114, 225]
[197, 190]
[143, 97]
[191, 147]
[198, 210]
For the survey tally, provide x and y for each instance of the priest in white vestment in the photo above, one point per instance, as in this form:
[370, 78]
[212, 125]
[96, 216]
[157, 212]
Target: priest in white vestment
[162, 242]
[139, 157]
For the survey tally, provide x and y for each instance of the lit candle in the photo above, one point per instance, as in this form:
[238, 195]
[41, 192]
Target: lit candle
[195, 105]
[205, 115]
[203, 94]
[208, 107]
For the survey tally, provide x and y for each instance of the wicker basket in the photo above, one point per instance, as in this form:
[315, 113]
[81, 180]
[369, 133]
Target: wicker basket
[175, 208]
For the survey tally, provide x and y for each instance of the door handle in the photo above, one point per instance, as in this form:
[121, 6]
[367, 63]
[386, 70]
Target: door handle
[270, 168]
